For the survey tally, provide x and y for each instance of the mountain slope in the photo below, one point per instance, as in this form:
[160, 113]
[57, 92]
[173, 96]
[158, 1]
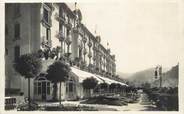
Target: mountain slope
[170, 78]
[145, 76]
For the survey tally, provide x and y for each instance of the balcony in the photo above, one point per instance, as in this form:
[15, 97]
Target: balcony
[75, 30]
[69, 24]
[60, 36]
[90, 54]
[47, 23]
[90, 44]
[45, 43]
[68, 39]
[57, 16]
[84, 39]
[85, 51]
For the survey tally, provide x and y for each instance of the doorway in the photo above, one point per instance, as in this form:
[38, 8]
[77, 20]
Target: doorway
[43, 90]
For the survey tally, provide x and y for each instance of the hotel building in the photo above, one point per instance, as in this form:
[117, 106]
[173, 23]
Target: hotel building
[31, 27]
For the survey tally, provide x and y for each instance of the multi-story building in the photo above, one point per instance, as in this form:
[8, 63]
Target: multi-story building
[31, 27]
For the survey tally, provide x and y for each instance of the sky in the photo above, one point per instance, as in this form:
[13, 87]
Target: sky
[142, 34]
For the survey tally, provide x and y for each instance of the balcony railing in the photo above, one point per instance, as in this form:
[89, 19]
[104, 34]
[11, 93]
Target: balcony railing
[90, 54]
[75, 29]
[69, 25]
[45, 43]
[60, 36]
[47, 23]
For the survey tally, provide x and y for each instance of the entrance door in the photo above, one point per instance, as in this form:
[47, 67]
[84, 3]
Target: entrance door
[43, 90]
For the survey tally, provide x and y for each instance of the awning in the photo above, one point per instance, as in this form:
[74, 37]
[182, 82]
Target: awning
[83, 75]
[110, 81]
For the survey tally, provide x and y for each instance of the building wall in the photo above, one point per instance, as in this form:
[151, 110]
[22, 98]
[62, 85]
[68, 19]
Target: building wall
[33, 33]
[55, 27]
[28, 40]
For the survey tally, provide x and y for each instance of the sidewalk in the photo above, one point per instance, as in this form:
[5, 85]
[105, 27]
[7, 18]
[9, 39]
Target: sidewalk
[77, 103]
[142, 105]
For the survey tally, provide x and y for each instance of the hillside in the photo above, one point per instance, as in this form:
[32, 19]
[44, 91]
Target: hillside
[147, 76]
[124, 75]
[144, 76]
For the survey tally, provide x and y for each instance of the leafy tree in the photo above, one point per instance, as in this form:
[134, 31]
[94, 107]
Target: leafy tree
[114, 86]
[146, 85]
[29, 66]
[58, 72]
[90, 83]
[103, 86]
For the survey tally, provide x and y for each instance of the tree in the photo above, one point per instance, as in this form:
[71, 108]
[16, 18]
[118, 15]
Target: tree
[90, 83]
[113, 87]
[58, 72]
[29, 66]
[103, 86]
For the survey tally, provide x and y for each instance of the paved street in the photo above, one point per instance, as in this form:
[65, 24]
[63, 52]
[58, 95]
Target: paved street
[142, 105]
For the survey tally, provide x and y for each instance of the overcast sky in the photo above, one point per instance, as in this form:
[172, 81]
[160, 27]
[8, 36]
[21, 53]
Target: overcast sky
[141, 33]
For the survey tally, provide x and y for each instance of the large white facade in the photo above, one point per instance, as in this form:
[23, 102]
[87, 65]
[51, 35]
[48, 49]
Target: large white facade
[34, 26]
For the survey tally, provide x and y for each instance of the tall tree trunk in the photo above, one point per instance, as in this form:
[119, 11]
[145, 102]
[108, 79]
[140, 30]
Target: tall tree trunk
[55, 91]
[91, 92]
[29, 92]
[60, 93]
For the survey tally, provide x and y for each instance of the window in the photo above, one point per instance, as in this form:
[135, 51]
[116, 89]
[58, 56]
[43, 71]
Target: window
[16, 52]
[46, 15]
[48, 34]
[48, 88]
[39, 88]
[60, 27]
[61, 12]
[67, 32]
[70, 87]
[17, 31]
[35, 88]
[6, 29]
[6, 51]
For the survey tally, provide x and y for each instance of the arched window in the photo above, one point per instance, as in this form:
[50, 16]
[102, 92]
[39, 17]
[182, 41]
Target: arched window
[71, 84]
[42, 85]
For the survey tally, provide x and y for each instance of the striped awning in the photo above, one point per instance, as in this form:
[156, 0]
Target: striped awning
[82, 75]
[110, 81]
